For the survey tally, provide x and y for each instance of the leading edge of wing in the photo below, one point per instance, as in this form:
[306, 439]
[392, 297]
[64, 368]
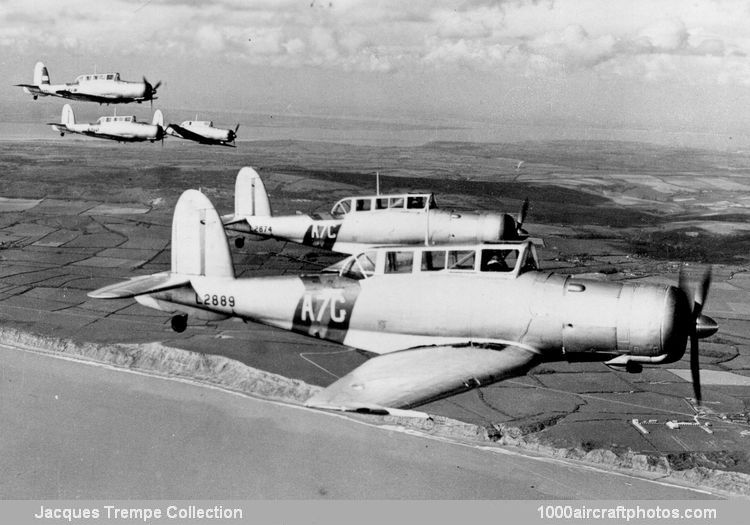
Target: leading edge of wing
[86, 97]
[190, 135]
[409, 378]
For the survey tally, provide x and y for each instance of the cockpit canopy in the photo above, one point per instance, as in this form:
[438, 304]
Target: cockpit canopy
[97, 76]
[204, 123]
[123, 118]
[375, 203]
[506, 259]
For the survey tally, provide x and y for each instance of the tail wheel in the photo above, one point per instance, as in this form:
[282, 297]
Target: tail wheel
[179, 323]
[239, 242]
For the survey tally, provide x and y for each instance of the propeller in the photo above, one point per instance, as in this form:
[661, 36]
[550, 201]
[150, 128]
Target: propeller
[700, 325]
[522, 217]
[232, 135]
[160, 133]
[149, 91]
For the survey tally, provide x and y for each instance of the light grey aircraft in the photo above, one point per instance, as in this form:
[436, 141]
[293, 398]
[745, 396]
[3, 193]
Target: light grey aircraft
[122, 128]
[204, 132]
[357, 222]
[443, 319]
[104, 88]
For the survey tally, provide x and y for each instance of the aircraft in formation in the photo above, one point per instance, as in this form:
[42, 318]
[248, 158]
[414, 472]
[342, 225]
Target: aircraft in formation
[104, 88]
[116, 127]
[107, 88]
[442, 318]
[204, 132]
[358, 222]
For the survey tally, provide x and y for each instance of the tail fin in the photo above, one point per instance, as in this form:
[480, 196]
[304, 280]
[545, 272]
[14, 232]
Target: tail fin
[67, 118]
[250, 196]
[158, 119]
[199, 245]
[41, 76]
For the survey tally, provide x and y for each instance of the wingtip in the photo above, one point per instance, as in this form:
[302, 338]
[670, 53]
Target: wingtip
[366, 408]
[321, 403]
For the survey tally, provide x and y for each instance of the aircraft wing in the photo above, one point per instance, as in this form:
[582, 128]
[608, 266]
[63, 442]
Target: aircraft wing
[413, 377]
[64, 93]
[140, 285]
[191, 135]
[118, 138]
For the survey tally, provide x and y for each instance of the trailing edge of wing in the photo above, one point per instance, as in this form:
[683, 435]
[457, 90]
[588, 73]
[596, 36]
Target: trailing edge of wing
[413, 377]
[140, 285]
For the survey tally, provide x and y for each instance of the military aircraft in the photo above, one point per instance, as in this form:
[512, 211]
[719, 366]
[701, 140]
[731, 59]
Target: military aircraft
[204, 132]
[104, 88]
[119, 128]
[357, 222]
[443, 319]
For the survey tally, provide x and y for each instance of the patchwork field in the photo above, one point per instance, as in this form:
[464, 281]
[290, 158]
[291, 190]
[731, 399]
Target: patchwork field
[76, 215]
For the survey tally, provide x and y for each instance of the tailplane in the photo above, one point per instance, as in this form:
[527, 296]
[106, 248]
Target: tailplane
[199, 247]
[250, 196]
[41, 76]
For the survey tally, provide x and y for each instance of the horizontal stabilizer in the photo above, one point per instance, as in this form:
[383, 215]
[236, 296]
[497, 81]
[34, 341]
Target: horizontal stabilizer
[230, 219]
[140, 285]
[413, 377]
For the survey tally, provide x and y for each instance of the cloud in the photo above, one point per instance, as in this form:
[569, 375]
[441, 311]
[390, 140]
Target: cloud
[663, 36]
[526, 37]
[573, 47]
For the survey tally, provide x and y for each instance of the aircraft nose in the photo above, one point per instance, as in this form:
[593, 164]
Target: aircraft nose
[675, 326]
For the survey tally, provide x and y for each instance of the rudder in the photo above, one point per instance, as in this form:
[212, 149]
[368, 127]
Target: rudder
[250, 196]
[199, 245]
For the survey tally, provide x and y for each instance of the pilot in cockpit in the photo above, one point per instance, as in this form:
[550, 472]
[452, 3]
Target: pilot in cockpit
[496, 264]
[495, 261]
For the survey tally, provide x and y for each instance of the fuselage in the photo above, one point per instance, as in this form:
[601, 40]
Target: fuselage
[387, 226]
[106, 86]
[384, 312]
[123, 128]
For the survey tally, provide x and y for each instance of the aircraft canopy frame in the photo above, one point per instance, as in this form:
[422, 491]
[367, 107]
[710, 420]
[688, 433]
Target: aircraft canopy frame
[505, 260]
[110, 119]
[91, 77]
[376, 203]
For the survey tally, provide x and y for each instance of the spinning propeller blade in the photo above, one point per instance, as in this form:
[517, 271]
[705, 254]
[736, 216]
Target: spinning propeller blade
[522, 217]
[700, 325]
[232, 135]
[149, 91]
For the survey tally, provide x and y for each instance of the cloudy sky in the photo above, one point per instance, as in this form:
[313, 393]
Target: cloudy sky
[657, 64]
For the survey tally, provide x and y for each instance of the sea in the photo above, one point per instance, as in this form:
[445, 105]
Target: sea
[416, 132]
